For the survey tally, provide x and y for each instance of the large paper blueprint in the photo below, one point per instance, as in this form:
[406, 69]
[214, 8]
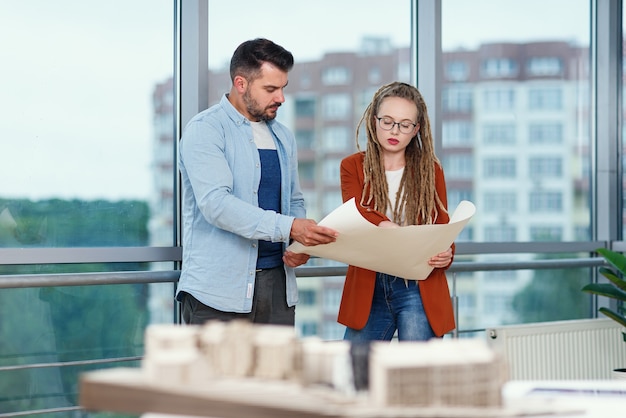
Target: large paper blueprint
[402, 252]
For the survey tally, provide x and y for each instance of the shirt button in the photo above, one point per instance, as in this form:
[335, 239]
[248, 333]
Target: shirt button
[253, 245]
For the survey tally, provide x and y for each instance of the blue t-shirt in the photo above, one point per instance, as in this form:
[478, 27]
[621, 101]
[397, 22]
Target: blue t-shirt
[270, 253]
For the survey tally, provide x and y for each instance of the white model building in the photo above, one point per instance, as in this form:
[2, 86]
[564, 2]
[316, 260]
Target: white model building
[446, 372]
[438, 373]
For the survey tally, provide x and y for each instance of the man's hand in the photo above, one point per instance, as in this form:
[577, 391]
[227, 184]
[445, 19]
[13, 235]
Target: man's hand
[292, 259]
[307, 232]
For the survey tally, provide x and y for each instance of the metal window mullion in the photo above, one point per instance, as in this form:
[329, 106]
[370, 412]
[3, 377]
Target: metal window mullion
[606, 67]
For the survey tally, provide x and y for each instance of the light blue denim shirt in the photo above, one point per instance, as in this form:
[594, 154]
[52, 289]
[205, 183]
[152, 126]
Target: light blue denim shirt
[222, 222]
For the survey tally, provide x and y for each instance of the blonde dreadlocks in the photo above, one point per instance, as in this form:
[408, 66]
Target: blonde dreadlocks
[417, 201]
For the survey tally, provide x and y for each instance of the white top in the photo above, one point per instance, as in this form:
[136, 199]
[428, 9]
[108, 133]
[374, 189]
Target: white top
[262, 136]
[393, 183]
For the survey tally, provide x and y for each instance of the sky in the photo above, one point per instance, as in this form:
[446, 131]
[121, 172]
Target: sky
[78, 75]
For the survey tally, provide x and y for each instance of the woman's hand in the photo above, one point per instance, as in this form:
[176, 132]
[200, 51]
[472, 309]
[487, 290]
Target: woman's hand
[441, 260]
[388, 224]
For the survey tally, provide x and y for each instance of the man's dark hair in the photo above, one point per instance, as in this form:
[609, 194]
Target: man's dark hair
[250, 55]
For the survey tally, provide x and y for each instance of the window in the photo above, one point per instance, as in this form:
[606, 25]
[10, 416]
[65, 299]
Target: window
[545, 99]
[307, 297]
[457, 70]
[546, 233]
[458, 166]
[545, 133]
[331, 171]
[545, 66]
[457, 99]
[503, 201]
[336, 76]
[545, 167]
[500, 233]
[457, 133]
[496, 167]
[498, 67]
[374, 75]
[305, 107]
[499, 133]
[306, 171]
[331, 201]
[544, 201]
[455, 196]
[336, 138]
[336, 106]
[498, 99]
[305, 139]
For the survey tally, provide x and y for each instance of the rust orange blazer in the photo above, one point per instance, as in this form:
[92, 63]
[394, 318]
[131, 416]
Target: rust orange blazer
[358, 290]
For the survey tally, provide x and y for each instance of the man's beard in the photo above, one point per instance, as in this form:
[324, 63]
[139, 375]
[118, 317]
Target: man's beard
[253, 108]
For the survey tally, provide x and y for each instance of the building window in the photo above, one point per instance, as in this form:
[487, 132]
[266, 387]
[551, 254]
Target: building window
[332, 298]
[499, 99]
[546, 233]
[499, 133]
[545, 201]
[307, 297]
[305, 80]
[545, 167]
[308, 328]
[331, 200]
[306, 171]
[336, 76]
[500, 233]
[499, 167]
[545, 66]
[331, 171]
[336, 106]
[305, 138]
[457, 133]
[457, 71]
[457, 99]
[336, 138]
[458, 166]
[498, 67]
[545, 133]
[501, 201]
[374, 75]
[305, 107]
[456, 196]
[545, 99]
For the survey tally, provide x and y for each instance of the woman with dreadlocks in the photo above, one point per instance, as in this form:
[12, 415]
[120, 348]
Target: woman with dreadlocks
[397, 181]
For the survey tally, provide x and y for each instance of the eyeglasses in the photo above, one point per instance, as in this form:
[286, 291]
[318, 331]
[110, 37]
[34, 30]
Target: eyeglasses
[387, 124]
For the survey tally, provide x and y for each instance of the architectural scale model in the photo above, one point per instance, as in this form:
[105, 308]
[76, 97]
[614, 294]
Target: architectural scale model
[448, 372]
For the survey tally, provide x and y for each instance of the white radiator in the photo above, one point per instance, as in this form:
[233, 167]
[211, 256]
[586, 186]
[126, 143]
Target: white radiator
[561, 350]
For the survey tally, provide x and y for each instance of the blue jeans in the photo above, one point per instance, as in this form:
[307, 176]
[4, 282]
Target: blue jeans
[396, 305]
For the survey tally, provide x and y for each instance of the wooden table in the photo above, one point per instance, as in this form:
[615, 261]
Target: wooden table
[126, 390]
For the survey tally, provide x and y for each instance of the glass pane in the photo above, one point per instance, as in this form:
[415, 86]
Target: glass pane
[88, 99]
[516, 117]
[516, 142]
[343, 54]
[80, 137]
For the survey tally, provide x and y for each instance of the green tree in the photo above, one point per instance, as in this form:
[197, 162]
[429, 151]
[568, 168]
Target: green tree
[67, 323]
[553, 295]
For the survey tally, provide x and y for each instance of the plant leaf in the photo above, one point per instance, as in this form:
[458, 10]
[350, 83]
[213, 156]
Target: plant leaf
[605, 289]
[614, 316]
[617, 260]
[610, 274]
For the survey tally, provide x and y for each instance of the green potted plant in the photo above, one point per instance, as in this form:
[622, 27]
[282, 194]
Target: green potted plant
[616, 289]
